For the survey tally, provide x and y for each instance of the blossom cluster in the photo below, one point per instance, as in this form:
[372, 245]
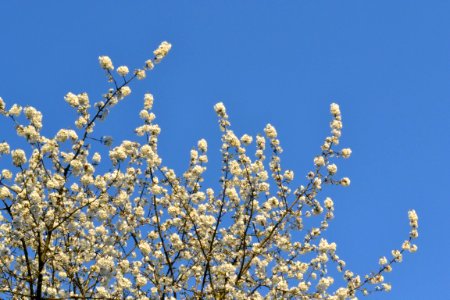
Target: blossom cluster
[70, 230]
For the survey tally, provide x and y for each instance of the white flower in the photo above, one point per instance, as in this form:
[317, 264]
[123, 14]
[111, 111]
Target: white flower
[202, 145]
[140, 74]
[122, 70]
[62, 274]
[4, 148]
[125, 91]
[246, 139]
[149, 64]
[5, 193]
[80, 122]
[83, 99]
[336, 124]
[328, 203]
[15, 110]
[387, 287]
[102, 214]
[345, 181]
[18, 157]
[148, 101]
[270, 131]
[162, 51]
[334, 109]
[220, 109]
[397, 255]
[72, 135]
[124, 265]
[6, 174]
[102, 291]
[96, 158]
[105, 63]
[124, 282]
[332, 169]
[324, 283]
[139, 211]
[413, 218]
[341, 293]
[34, 116]
[145, 248]
[346, 152]
[303, 286]
[383, 261]
[105, 264]
[288, 175]
[141, 281]
[319, 161]
[62, 135]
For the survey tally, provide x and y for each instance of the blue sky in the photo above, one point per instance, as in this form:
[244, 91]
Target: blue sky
[387, 63]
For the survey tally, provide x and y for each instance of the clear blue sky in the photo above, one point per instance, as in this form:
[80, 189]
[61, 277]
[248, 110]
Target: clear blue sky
[387, 63]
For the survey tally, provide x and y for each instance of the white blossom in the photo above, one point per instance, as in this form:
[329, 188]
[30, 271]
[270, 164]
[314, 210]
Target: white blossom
[122, 70]
[203, 145]
[105, 63]
[345, 181]
[346, 152]
[162, 51]
[270, 131]
[19, 157]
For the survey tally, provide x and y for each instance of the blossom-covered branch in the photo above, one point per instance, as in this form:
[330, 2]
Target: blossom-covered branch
[69, 230]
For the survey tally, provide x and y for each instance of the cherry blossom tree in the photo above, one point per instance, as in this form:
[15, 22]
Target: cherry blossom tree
[141, 231]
